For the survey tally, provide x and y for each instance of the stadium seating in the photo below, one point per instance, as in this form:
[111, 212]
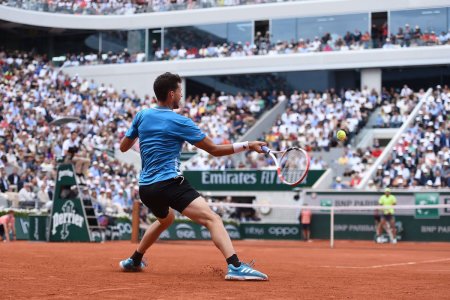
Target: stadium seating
[115, 7]
[188, 47]
[422, 155]
[33, 95]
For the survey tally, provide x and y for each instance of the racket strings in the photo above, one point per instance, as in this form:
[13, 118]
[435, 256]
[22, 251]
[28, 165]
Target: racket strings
[293, 165]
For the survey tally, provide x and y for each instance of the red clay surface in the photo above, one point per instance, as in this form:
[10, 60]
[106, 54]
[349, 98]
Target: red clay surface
[195, 270]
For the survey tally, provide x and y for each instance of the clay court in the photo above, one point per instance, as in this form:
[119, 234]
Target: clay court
[195, 270]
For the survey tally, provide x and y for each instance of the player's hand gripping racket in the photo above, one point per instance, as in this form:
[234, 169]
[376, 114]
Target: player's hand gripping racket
[293, 165]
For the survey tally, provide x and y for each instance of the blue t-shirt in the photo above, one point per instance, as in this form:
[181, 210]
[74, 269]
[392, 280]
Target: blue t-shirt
[161, 134]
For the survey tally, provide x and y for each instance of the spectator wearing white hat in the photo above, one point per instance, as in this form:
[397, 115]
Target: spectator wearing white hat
[338, 185]
[120, 201]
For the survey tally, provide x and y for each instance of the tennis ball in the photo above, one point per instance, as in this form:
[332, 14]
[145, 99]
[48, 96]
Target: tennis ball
[341, 135]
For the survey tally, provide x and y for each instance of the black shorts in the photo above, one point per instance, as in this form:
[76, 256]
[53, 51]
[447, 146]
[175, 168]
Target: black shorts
[306, 226]
[388, 217]
[2, 230]
[176, 193]
[377, 219]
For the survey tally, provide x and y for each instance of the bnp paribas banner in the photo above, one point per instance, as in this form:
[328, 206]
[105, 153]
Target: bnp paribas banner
[68, 220]
[186, 230]
[244, 180]
[357, 198]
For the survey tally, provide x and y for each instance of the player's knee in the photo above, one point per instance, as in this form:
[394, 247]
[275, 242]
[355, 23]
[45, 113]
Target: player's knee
[167, 221]
[211, 219]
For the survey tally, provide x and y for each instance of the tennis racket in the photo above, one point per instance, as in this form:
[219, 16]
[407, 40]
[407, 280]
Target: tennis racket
[293, 165]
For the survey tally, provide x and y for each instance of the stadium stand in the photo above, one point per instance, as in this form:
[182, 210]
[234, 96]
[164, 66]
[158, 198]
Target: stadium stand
[33, 95]
[422, 156]
[116, 7]
[188, 46]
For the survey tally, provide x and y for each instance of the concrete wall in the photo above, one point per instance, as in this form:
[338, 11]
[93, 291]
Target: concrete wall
[372, 79]
[140, 76]
[211, 15]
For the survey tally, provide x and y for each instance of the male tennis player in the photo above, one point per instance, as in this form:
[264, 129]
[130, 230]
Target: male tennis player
[161, 134]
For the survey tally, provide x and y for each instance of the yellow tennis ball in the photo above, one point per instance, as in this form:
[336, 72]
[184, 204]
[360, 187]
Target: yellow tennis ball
[341, 135]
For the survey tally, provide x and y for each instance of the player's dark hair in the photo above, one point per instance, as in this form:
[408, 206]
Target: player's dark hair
[164, 84]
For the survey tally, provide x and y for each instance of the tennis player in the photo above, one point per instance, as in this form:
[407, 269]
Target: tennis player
[162, 188]
[7, 225]
[388, 214]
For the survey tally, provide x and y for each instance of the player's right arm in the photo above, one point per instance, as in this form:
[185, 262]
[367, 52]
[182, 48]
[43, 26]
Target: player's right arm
[209, 146]
[131, 135]
[127, 143]
[6, 225]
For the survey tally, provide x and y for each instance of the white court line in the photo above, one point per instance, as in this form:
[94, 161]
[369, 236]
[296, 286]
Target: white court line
[389, 265]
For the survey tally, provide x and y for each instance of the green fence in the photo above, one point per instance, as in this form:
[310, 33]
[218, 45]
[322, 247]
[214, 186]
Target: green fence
[351, 227]
[362, 227]
[188, 230]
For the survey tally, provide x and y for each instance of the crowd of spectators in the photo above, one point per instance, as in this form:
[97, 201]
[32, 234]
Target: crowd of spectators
[224, 118]
[33, 95]
[356, 161]
[262, 45]
[421, 156]
[409, 37]
[119, 7]
[313, 118]
[310, 121]
[396, 106]
[123, 57]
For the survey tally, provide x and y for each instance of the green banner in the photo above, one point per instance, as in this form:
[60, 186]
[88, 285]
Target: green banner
[427, 199]
[186, 230]
[22, 227]
[270, 231]
[248, 180]
[68, 220]
[38, 227]
[362, 227]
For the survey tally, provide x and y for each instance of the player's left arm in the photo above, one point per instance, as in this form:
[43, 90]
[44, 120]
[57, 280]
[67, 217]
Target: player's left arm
[209, 146]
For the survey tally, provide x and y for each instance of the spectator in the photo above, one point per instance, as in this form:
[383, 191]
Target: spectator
[4, 184]
[27, 199]
[338, 185]
[15, 180]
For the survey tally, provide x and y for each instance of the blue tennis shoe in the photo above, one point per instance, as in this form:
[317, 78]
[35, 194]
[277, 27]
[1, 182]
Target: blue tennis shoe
[127, 265]
[244, 272]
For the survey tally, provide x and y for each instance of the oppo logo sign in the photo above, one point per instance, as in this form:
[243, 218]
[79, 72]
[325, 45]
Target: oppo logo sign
[185, 231]
[283, 230]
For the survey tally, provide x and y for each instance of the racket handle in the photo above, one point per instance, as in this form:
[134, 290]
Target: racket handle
[265, 149]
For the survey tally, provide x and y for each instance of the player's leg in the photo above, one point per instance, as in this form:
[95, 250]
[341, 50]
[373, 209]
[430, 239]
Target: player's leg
[199, 211]
[134, 263]
[155, 198]
[2, 232]
[308, 233]
[305, 234]
[393, 229]
[154, 231]
[388, 227]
